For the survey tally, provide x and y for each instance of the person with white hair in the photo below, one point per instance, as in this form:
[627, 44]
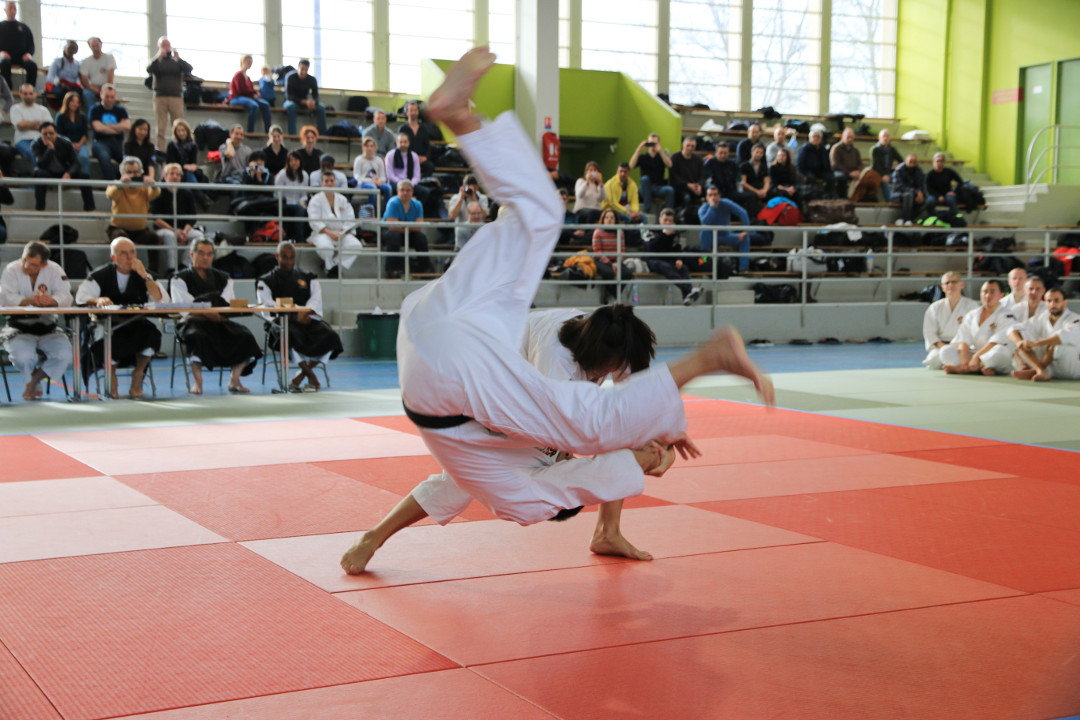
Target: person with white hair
[942, 319]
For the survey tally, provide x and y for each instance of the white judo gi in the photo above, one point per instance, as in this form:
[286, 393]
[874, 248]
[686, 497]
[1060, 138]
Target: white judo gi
[23, 346]
[995, 328]
[1002, 357]
[940, 324]
[339, 217]
[1066, 362]
[459, 353]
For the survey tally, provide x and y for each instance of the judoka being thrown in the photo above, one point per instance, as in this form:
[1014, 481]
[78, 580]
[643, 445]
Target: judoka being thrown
[480, 407]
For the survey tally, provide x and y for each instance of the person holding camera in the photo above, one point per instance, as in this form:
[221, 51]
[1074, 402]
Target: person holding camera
[654, 164]
[469, 193]
[589, 194]
[168, 71]
[131, 210]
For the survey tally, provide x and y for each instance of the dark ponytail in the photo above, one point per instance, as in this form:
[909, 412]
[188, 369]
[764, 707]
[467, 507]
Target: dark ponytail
[609, 339]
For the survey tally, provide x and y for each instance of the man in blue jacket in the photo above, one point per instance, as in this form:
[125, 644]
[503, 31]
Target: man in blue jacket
[719, 211]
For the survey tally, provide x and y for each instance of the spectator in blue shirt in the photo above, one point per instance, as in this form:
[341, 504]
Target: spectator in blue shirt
[720, 211]
[402, 209]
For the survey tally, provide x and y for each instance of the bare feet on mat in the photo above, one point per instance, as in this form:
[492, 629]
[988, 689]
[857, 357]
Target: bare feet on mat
[238, 388]
[1026, 374]
[618, 545]
[1041, 376]
[988, 372]
[357, 557]
[449, 104]
[32, 392]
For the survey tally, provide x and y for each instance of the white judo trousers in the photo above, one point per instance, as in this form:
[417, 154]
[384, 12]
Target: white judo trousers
[459, 353]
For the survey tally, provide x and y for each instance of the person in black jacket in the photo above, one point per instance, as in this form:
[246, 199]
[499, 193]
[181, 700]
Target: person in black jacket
[885, 158]
[667, 248]
[813, 164]
[940, 184]
[302, 92]
[56, 157]
[907, 184]
[16, 47]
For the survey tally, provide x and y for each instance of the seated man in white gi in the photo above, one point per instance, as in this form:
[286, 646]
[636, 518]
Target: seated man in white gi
[1017, 278]
[311, 339]
[210, 338]
[981, 344]
[332, 220]
[1048, 345]
[135, 340]
[1030, 300]
[35, 281]
[942, 319]
[480, 407]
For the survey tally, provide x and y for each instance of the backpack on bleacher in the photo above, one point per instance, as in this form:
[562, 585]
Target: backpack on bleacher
[193, 92]
[357, 103]
[452, 158]
[828, 212]
[969, 196]
[344, 129]
[209, 134]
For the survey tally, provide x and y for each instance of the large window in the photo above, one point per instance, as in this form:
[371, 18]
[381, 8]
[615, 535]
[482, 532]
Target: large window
[621, 36]
[439, 29]
[341, 53]
[862, 74]
[214, 35]
[706, 47]
[502, 32]
[121, 24]
[786, 56]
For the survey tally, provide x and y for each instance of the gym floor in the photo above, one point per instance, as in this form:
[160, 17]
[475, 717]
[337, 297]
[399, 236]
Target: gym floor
[890, 542]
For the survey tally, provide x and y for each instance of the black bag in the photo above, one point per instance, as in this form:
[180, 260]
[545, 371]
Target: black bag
[969, 196]
[51, 235]
[193, 93]
[1000, 245]
[76, 265]
[768, 113]
[800, 126]
[357, 103]
[1050, 270]
[956, 240]
[222, 239]
[235, 266]
[846, 263]
[771, 294]
[828, 212]
[687, 215]
[737, 126]
[771, 263]
[263, 263]
[280, 72]
[452, 158]
[211, 96]
[344, 129]
[209, 135]
[929, 294]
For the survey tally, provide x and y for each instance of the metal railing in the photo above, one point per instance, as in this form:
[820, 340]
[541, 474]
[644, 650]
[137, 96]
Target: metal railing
[1046, 163]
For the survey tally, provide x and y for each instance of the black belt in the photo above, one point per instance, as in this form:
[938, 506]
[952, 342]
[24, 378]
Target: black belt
[432, 422]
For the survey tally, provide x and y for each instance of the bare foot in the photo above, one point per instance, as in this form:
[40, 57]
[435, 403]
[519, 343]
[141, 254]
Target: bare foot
[449, 104]
[954, 370]
[238, 388]
[196, 387]
[1042, 376]
[725, 351]
[617, 545]
[357, 557]
[1026, 374]
[196, 379]
[32, 392]
[988, 372]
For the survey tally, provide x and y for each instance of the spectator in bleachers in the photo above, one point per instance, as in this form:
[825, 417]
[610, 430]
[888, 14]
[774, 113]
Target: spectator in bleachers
[665, 248]
[468, 193]
[723, 173]
[16, 47]
[607, 243]
[782, 175]
[756, 185]
[266, 86]
[311, 339]
[183, 151]
[275, 150]
[332, 222]
[782, 138]
[95, 71]
[369, 168]
[302, 93]
[941, 183]
[621, 195]
[174, 213]
[138, 144]
[109, 122]
[326, 165]
[242, 92]
[402, 210]
[63, 75]
[718, 211]
[813, 165]
[654, 164]
[129, 199]
[309, 154]
[907, 184]
[942, 319]
[846, 161]
[589, 194]
[384, 138]
[28, 116]
[885, 159]
[568, 236]
[404, 164]
[753, 137]
[234, 156]
[168, 71]
[71, 123]
[470, 222]
[7, 100]
[55, 157]
[295, 201]
[687, 174]
[420, 136]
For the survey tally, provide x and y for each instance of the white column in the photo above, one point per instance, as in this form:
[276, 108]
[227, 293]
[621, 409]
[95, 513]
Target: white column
[536, 76]
[272, 33]
[156, 25]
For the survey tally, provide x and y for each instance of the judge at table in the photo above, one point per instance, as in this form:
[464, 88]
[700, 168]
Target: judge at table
[135, 340]
[210, 339]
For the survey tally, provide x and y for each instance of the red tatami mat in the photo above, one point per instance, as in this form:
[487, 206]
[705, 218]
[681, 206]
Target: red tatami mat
[447, 695]
[1069, 596]
[135, 632]
[464, 550]
[1010, 659]
[27, 458]
[20, 697]
[525, 615]
[268, 501]
[1022, 460]
[39, 497]
[748, 448]
[789, 477]
[1017, 554]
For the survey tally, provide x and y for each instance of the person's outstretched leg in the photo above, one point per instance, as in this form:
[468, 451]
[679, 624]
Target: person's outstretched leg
[406, 513]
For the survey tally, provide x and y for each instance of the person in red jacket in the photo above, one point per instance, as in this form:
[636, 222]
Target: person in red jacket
[242, 92]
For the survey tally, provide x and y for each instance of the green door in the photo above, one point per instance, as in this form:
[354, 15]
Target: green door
[1035, 115]
[1068, 94]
